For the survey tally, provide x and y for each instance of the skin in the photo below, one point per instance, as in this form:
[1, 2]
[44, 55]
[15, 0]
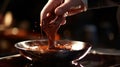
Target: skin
[62, 8]
[54, 14]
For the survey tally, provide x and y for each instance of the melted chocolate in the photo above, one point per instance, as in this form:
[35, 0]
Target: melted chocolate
[50, 26]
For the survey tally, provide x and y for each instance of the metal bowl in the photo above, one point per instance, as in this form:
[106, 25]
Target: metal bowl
[65, 50]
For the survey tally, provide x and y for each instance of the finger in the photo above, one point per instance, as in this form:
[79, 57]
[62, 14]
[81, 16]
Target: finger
[81, 8]
[50, 6]
[67, 5]
[57, 20]
[63, 22]
[47, 20]
[76, 11]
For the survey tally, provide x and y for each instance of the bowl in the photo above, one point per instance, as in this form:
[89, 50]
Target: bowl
[65, 50]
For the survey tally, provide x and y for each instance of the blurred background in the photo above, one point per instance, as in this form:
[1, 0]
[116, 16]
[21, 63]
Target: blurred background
[19, 21]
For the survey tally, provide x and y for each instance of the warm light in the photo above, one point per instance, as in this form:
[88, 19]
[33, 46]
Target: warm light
[77, 45]
[2, 27]
[8, 19]
[94, 52]
[4, 44]
[29, 47]
[15, 31]
[57, 37]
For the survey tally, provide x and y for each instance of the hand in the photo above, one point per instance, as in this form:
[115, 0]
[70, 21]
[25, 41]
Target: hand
[63, 7]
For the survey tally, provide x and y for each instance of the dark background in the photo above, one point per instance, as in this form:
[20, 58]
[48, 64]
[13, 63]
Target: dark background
[98, 26]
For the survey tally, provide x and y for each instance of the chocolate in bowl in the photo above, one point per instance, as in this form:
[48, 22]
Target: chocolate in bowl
[64, 51]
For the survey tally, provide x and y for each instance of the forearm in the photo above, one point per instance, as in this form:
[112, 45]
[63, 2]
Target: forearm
[96, 4]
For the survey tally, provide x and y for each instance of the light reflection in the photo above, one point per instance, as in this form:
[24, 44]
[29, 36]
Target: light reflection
[2, 27]
[94, 52]
[8, 19]
[77, 45]
[15, 31]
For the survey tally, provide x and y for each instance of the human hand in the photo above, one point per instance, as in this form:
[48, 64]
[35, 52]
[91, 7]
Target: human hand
[63, 7]
[59, 7]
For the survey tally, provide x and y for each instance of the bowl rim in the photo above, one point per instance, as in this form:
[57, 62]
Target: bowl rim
[23, 42]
